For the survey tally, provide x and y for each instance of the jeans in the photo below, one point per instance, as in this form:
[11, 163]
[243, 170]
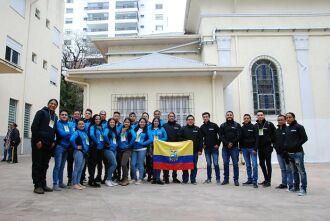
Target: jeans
[7, 151]
[232, 153]
[60, 158]
[112, 162]
[193, 173]
[79, 163]
[285, 171]
[251, 163]
[212, 154]
[298, 169]
[138, 161]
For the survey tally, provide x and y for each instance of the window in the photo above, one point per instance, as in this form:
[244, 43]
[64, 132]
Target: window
[141, 26]
[68, 21]
[142, 16]
[159, 28]
[159, 16]
[126, 104]
[53, 75]
[97, 16]
[126, 4]
[47, 23]
[180, 104]
[69, 10]
[67, 42]
[97, 5]
[84, 29]
[44, 64]
[265, 83]
[68, 31]
[56, 37]
[37, 13]
[12, 111]
[27, 116]
[34, 57]
[159, 6]
[18, 6]
[141, 5]
[126, 15]
[13, 51]
[129, 26]
[69, 1]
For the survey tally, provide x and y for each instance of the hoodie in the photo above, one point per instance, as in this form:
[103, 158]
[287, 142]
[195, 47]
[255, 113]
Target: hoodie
[295, 137]
[230, 132]
[80, 137]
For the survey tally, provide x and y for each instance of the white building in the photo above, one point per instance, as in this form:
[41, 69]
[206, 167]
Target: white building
[30, 60]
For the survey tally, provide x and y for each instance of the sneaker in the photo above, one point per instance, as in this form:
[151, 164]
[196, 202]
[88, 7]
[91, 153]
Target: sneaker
[82, 186]
[3, 160]
[124, 183]
[184, 183]
[247, 183]
[39, 190]
[262, 183]
[63, 186]
[56, 188]
[98, 179]
[166, 181]
[255, 185]
[293, 190]
[114, 183]
[69, 183]
[225, 183]
[159, 182]
[281, 186]
[236, 183]
[47, 189]
[155, 182]
[194, 183]
[175, 180]
[207, 181]
[267, 184]
[77, 187]
[103, 182]
[108, 183]
[218, 182]
[302, 193]
[138, 182]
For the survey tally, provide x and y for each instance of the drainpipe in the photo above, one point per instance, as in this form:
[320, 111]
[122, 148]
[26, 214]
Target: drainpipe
[213, 37]
[213, 95]
[81, 83]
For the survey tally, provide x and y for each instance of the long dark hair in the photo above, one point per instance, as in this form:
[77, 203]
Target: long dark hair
[145, 129]
[93, 119]
[114, 130]
[153, 123]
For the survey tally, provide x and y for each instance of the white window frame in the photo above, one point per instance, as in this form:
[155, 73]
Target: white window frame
[56, 37]
[14, 46]
[53, 79]
[137, 103]
[18, 6]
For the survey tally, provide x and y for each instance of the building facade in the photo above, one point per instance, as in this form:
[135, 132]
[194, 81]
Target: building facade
[30, 45]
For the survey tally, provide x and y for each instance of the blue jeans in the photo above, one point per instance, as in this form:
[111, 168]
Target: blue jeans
[137, 163]
[298, 169]
[232, 153]
[193, 173]
[212, 154]
[79, 162]
[156, 174]
[251, 163]
[285, 171]
[7, 151]
[112, 162]
[60, 159]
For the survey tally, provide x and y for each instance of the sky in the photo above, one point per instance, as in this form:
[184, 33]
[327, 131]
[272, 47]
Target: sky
[176, 10]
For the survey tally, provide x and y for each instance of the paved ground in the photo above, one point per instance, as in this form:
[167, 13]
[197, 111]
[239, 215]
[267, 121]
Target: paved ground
[169, 202]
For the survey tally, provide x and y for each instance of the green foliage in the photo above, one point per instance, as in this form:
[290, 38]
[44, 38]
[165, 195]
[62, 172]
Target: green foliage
[71, 97]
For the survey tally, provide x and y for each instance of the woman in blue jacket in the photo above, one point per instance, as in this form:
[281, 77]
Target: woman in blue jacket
[63, 134]
[158, 133]
[96, 148]
[142, 141]
[80, 143]
[126, 141]
[111, 139]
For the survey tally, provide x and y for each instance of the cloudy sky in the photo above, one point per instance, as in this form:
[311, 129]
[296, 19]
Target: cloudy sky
[176, 15]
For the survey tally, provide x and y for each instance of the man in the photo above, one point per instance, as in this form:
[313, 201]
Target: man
[104, 123]
[191, 132]
[158, 114]
[14, 141]
[249, 146]
[6, 146]
[266, 134]
[282, 154]
[119, 125]
[295, 137]
[42, 142]
[211, 142]
[72, 124]
[132, 118]
[172, 130]
[230, 132]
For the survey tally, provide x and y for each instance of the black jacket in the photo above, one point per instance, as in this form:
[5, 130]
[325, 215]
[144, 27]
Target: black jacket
[191, 133]
[14, 137]
[230, 132]
[172, 129]
[279, 139]
[210, 134]
[249, 136]
[41, 129]
[265, 140]
[295, 137]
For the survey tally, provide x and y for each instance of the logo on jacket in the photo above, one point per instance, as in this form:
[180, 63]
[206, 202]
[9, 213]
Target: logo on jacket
[173, 155]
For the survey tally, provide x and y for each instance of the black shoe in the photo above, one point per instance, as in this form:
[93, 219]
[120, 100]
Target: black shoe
[262, 183]
[39, 190]
[281, 186]
[224, 183]
[98, 179]
[69, 183]
[167, 181]
[8, 161]
[81, 183]
[160, 182]
[236, 183]
[175, 180]
[15, 162]
[96, 185]
[267, 184]
[149, 178]
[154, 182]
[103, 182]
[248, 183]
[255, 185]
[3, 160]
[47, 189]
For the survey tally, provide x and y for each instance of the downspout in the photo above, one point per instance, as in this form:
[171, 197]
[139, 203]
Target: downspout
[213, 95]
[81, 83]
[239, 79]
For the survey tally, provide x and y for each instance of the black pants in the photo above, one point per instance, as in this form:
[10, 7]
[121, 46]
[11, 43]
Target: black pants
[265, 162]
[166, 174]
[69, 161]
[148, 166]
[95, 156]
[14, 153]
[103, 161]
[83, 174]
[117, 173]
[40, 164]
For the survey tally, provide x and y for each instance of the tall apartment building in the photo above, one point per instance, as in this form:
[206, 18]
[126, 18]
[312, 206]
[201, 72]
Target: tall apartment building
[30, 60]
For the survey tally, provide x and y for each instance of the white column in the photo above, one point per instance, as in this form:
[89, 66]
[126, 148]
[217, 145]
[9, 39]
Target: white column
[301, 43]
[224, 59]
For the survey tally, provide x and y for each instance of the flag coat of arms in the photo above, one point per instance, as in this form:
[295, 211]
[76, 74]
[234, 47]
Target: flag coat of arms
[173, 155]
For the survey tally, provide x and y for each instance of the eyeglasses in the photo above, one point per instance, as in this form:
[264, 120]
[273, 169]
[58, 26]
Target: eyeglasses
[64, 115]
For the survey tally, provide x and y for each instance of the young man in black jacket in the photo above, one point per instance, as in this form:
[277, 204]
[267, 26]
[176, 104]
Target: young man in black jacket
[14, 141]
[42, 142]
[249, 146]
[172, 129]
[266, 132]
[191, 132]
[230, 133]
[282, 154]
[211, 142]
[295, 137]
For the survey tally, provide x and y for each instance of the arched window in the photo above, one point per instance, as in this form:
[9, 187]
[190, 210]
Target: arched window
[266, 91]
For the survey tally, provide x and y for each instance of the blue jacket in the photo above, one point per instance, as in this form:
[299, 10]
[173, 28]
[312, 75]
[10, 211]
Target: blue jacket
[119, 126]
[104, 124]
[97, 137]
[80, 137]
[111, 139]
[143, 140]
[126, 140]
[160, 133]
[87, 125]
[63, 133]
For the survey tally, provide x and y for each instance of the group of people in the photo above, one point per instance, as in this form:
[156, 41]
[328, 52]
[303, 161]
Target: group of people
[125, 148]
[10, 144]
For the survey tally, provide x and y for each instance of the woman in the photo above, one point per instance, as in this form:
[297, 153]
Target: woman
[126, 142]
[111, 139]
[96, 150]
[142, 141]
[158, 133]
[80, 143]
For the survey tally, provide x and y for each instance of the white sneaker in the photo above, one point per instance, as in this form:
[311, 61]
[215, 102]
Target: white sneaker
[114, 183]
[138, 182]
[108, 183]
[82, 186]
[76, 187]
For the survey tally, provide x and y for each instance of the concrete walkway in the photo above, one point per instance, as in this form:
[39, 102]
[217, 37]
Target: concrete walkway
[205, 202]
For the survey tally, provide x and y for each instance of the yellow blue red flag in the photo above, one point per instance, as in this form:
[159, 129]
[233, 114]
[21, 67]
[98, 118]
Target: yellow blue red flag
[173, 155]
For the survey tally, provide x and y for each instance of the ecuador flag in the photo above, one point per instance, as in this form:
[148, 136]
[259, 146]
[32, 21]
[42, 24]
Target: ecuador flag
[173, 155]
